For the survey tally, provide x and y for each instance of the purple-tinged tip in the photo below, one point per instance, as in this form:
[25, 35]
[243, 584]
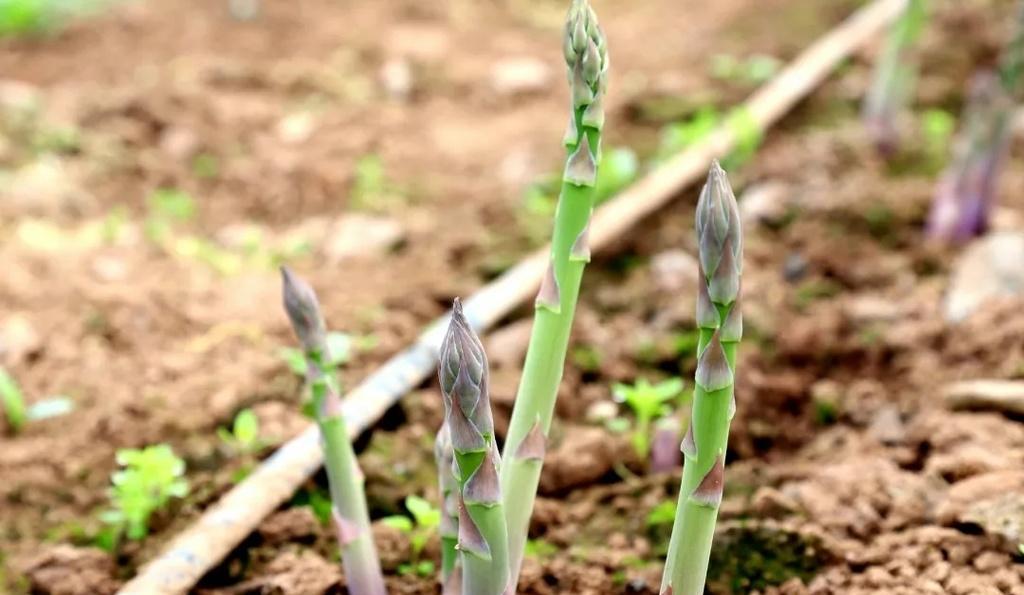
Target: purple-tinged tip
[713, 371]
[709, 491]
[550, 296]
[466, 437]
[471, 541]
[667, 590]
[453, 586]
[707, 313]
[303, 311]
[719, 236]
[462, 372]
[534, 444]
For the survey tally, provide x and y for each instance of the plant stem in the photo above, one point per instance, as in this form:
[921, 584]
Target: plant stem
[587, 60]
[720, 325]
[352, 520]
[450, 489]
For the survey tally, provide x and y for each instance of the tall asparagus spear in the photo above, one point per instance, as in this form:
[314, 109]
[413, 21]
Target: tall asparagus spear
[482, 533]
[359, 556]
[720, 323]
[586, 57]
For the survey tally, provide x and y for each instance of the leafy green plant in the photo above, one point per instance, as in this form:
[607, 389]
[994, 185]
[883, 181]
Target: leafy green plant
[678, 136]
[244, 435]
[13, 402]
[149, 478]
[425, 520]
[649, 402]
[27, 17]
[664, 513]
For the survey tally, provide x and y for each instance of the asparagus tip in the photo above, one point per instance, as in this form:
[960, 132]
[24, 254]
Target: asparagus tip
[303, 311]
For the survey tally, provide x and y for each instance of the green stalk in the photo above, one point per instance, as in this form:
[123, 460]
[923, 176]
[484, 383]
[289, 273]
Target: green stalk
[482, 533]
[450, 489]
[1011, 64]
[586, 56]
[719, 320]
[352, 520]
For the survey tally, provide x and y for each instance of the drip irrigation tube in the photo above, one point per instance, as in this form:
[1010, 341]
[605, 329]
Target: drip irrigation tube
[225, 524]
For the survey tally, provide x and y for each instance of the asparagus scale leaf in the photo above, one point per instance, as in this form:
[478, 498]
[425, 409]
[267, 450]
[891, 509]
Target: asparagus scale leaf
[720, 325]
[587, 63]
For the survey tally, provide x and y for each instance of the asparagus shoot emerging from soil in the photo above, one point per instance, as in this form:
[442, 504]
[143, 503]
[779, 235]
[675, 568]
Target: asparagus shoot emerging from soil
[894, 78]
[586, 57]
[966, 191]
[719, 321]
[349, 509]
[482, 533]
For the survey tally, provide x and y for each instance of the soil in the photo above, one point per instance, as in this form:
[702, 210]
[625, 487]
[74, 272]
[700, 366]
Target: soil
[847, 473]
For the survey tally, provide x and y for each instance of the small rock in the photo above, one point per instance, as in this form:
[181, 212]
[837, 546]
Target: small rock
[518, 76]
[992, 501]
[357, 234]
[179, 143]
[765, 203]
[396, 78]
[887, 427]
[674, 270]
[865, 309]
[296, 128]
[795, 267]
[18, 340]
[602, 411]
[1005, 396]
[990, 267]
[44, 187]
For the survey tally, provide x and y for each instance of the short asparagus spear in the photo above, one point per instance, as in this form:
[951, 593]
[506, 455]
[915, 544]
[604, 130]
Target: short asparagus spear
[586, 57]
[359, 556]
[482, 533]
[719, 321]
[966, 191]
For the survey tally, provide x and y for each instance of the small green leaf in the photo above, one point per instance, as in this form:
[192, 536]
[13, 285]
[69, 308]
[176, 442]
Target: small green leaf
[425, 568]
[399, 522]
[662, 514]
[172, 204]
[425, 514]
[247, 428]
[13, 401]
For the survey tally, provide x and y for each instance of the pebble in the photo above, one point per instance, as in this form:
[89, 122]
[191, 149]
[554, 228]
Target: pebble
[18, 339]
[520, 76]
[988, 268]
[602, 411]
[396, 78]
[765, 203]
[358, 234]
[296, 128]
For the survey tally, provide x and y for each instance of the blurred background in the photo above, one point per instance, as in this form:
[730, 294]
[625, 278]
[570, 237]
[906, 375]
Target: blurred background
[159, 159]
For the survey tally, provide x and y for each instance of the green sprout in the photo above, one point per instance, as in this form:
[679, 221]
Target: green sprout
[664, 513]
[167, 207]
[13, 402]
[149, 478]
[649, 402]
[29, 17]
[244, 435]
[424, 522]
[371, 188]
[937, 127]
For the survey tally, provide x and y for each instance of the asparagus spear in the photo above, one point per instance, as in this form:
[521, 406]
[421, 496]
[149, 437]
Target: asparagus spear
[586, 57]
[719, 320]
[894, 77]
[359, 556]
[482, 533]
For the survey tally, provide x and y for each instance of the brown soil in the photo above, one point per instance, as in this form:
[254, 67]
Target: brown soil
[847, 474]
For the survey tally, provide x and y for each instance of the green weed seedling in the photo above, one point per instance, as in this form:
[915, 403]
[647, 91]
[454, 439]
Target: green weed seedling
[649, 402]
[13, 402]
[424, 522]
[149, 478]
[754, 70]
[244, 435]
